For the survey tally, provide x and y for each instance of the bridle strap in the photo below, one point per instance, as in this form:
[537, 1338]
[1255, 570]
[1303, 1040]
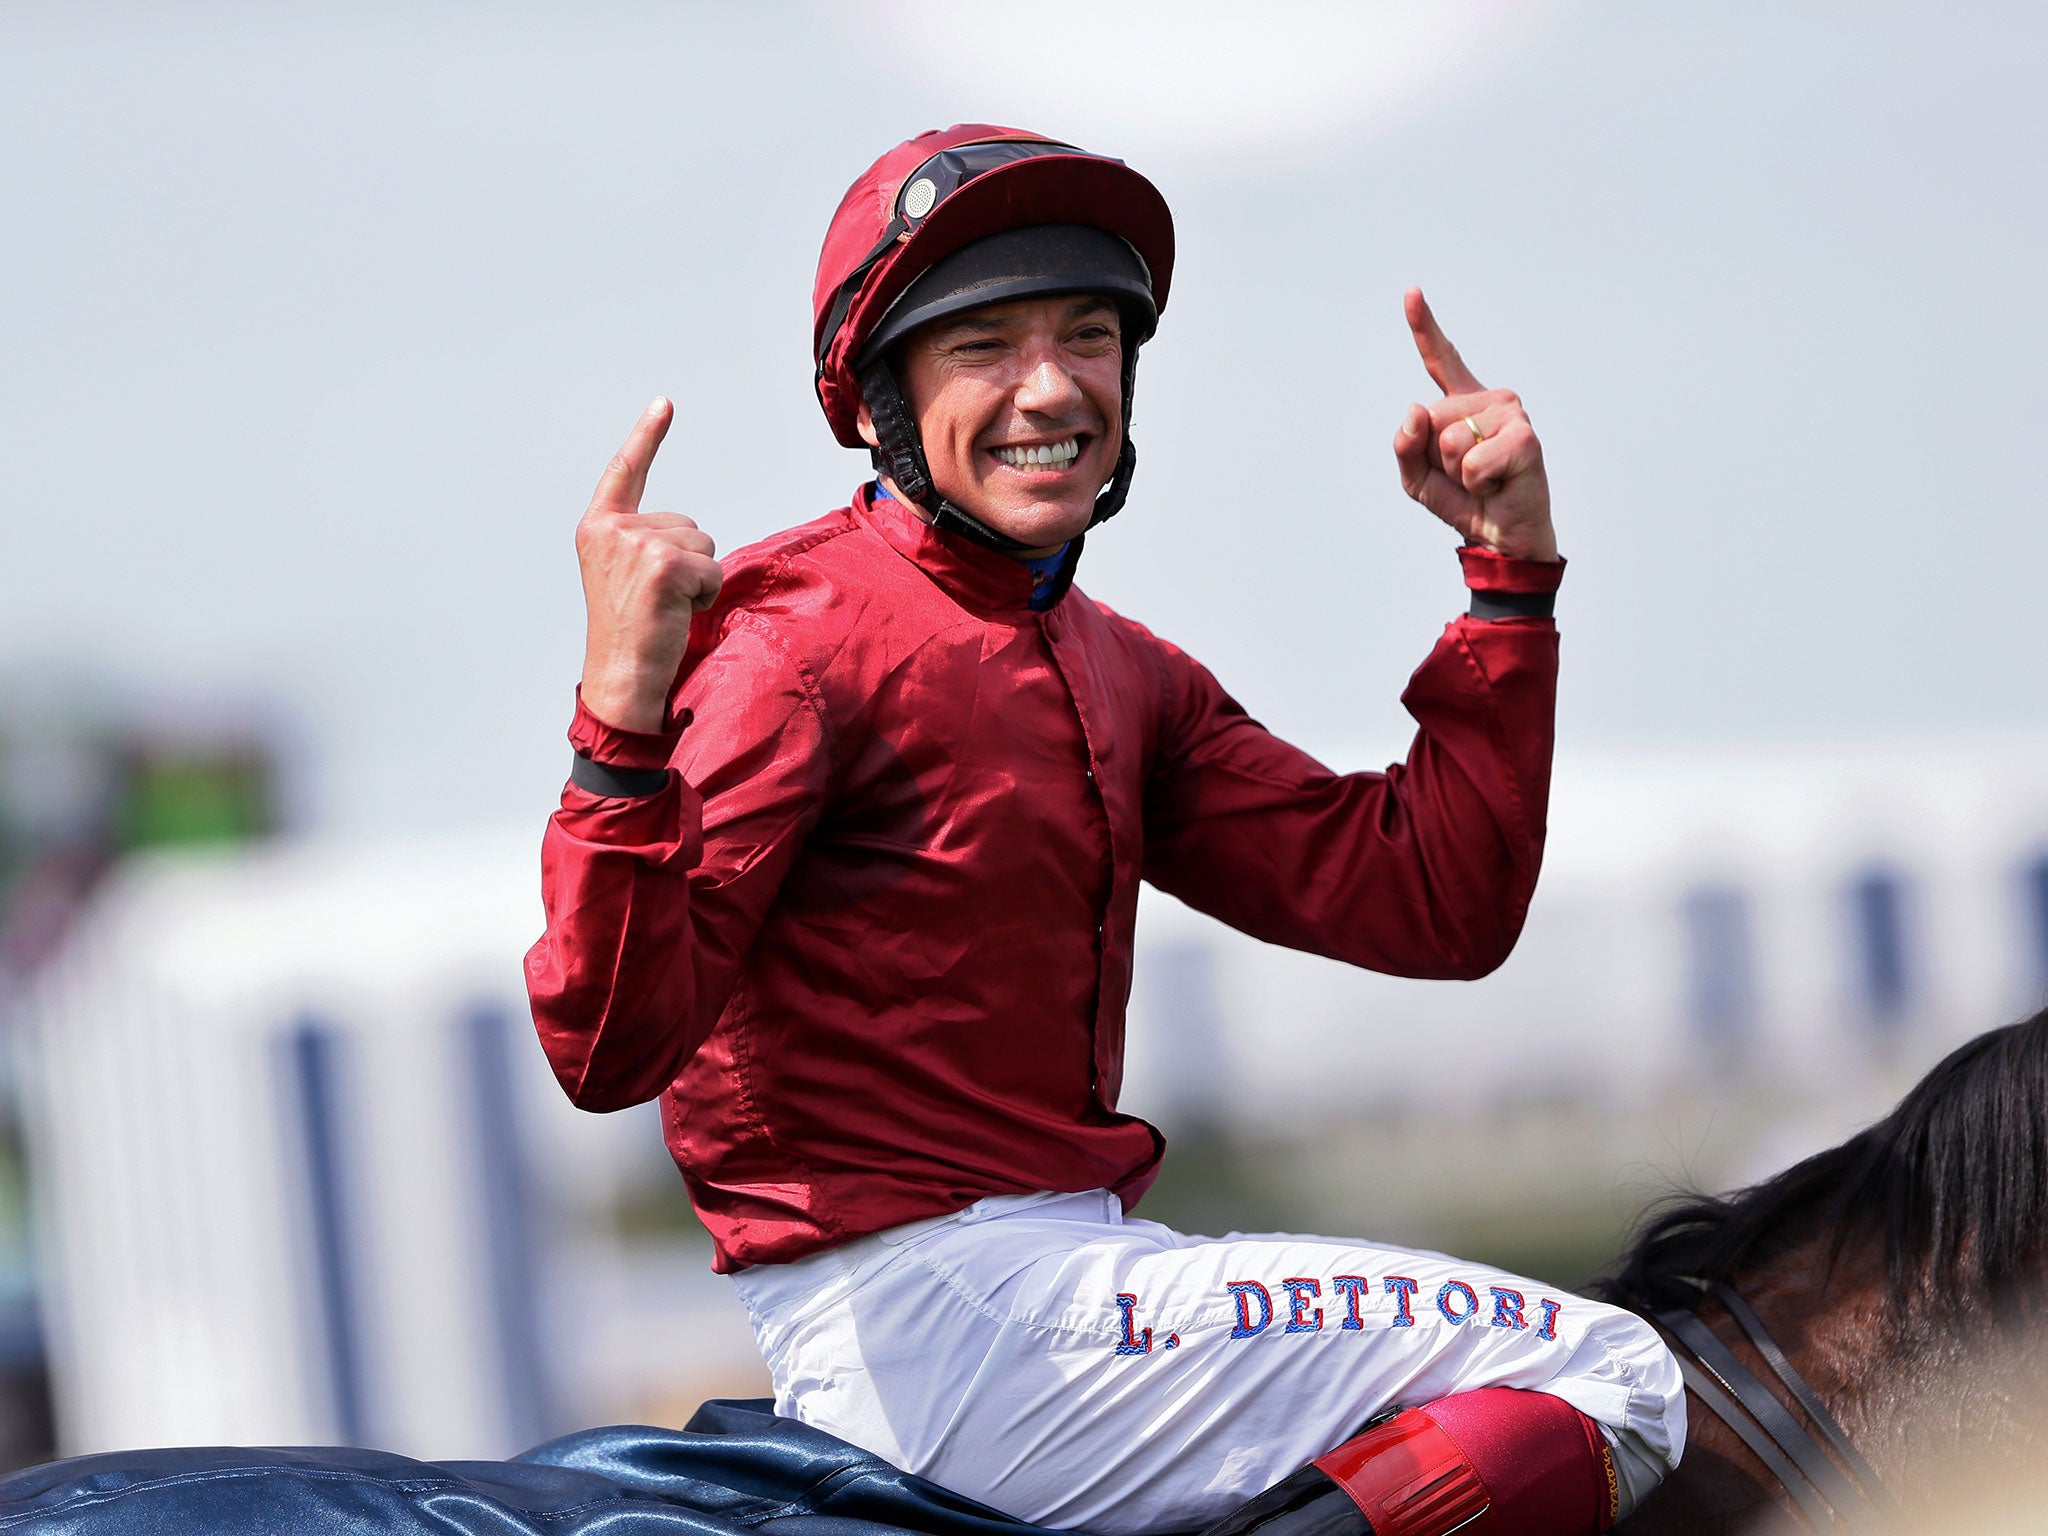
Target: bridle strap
[1801, 1454]
[1812, 1509]
[1781, 1367]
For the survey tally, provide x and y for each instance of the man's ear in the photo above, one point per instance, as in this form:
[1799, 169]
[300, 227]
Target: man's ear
[864, 423]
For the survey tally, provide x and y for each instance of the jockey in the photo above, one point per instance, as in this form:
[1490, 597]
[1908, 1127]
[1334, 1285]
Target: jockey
[846, 873]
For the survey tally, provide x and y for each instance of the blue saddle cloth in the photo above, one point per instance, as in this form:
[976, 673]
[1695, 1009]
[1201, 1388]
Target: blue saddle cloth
[734, 1469]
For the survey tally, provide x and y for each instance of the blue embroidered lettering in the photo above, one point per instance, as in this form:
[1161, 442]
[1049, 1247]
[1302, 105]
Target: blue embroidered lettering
[1300, 1293]
[1507, 1308]
[1548, 1329]
[1245, 1291]
[1350, 1287]
[1134, 1342]
[1443, 1300]
[1403, 1290]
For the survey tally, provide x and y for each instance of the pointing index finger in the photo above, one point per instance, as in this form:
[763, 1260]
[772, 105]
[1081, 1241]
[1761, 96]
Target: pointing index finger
[1438, 355]
[625, 478]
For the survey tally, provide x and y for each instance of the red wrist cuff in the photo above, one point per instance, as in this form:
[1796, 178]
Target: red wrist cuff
[603, 742]
[1488, 570]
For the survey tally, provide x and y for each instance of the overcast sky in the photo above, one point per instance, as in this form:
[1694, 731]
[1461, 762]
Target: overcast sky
[318, 324]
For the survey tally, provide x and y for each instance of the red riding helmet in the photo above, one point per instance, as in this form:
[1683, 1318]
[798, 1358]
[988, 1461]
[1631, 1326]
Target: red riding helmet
[976, 214]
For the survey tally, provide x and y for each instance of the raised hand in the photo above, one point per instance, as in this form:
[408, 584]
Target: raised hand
[644, 574]
[1472, 458]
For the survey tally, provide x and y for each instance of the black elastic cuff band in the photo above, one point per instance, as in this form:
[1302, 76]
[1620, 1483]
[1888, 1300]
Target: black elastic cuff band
[1513, 605]
[617, 783]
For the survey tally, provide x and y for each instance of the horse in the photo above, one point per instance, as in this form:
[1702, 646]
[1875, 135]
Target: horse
[1904, 1276]
[1895, 1285]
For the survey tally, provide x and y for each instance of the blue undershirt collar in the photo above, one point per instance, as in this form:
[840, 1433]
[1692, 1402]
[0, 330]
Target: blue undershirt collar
[1043, 568]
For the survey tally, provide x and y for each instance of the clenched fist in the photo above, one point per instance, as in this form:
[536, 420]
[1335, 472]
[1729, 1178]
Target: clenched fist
[1472, 458]
[644, 575]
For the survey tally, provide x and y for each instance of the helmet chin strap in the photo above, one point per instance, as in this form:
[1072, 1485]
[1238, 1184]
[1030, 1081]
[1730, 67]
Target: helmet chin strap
[899, 454]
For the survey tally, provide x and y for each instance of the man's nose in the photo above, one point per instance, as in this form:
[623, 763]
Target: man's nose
[1048, 387]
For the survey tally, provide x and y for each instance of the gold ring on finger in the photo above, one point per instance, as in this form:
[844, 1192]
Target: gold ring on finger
[1477, 435]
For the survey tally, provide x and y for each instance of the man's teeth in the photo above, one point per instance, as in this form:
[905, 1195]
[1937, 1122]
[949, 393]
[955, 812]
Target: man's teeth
[1055, 456]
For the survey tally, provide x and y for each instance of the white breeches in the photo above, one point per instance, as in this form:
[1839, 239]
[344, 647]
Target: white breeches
[1047, 1356]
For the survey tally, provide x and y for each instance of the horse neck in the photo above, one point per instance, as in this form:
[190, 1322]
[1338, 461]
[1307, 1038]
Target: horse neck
[1923, 1386]
[1829, 1320]
[1711, 1494]
[1923, 1395]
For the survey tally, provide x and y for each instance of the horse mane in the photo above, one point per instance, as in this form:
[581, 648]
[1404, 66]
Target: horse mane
[1954, 1179]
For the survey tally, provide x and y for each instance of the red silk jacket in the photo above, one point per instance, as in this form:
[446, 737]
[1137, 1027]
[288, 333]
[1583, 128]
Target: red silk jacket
[871, 943]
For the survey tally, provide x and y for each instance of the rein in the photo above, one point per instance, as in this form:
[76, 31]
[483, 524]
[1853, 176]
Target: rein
[1826, 1496]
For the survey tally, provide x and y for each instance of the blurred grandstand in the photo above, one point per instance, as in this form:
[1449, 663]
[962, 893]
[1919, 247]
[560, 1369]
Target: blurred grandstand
[86, 780]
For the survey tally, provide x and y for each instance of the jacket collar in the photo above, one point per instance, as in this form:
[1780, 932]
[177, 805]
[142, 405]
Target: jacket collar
[977, 578]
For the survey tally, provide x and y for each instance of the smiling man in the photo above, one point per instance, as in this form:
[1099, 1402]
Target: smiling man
[1017, 406]
[846, 875]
